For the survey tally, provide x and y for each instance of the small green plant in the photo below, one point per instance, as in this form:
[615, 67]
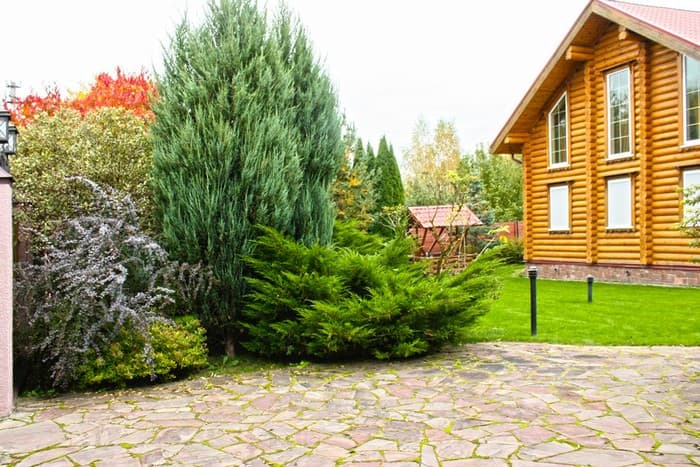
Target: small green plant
[511, 250]
[175, 348]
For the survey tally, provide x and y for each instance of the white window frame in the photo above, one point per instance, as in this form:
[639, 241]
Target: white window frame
[686, 141]
[691, 177]
[559, 202]
[608, 77]
[620, 204]
[565, 163]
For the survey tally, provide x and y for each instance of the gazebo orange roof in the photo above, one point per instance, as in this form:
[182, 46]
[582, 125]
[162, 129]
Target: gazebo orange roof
[446, 215]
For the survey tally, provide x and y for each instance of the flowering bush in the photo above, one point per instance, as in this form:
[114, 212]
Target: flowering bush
[98, 276]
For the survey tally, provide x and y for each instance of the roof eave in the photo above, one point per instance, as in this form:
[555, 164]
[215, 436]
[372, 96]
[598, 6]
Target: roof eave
[498, 146]
[501, 146]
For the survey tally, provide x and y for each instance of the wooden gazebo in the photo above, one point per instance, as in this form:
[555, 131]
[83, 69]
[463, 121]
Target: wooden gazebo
[440, 230]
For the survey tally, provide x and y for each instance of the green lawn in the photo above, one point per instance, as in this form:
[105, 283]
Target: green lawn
[620, 314]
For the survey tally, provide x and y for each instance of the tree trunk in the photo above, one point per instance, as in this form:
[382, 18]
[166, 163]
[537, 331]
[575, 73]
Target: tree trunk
[229, 344]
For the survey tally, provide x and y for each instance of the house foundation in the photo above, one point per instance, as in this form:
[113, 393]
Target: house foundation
[620, 273]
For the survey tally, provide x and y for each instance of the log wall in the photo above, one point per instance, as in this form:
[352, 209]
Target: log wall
[655, 167]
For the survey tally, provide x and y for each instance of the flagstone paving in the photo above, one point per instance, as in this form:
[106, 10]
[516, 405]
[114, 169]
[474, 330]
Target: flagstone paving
[492, 404]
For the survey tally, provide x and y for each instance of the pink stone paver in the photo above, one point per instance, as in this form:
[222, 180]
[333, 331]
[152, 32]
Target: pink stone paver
[522, 410]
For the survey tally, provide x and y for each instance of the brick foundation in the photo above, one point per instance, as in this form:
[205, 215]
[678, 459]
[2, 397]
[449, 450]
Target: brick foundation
[633, 274]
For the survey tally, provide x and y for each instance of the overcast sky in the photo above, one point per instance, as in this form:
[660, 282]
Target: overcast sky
[392, 61]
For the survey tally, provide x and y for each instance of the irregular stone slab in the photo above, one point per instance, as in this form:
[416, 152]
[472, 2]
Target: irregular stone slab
[544, 450]
[377, 445]
[31, 438]
[286, 456]
[428, 458]
[105, 454]
[45, 457]
[611, 424]
[606, 457]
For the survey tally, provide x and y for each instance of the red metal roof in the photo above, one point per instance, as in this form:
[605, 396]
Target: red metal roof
[683, 24]
[447, 215]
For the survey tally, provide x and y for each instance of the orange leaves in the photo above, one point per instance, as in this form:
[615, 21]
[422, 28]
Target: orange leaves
[26, 108]
[132, 92]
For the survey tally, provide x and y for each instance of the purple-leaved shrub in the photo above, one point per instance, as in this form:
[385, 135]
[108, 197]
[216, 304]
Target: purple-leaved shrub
[98, 275]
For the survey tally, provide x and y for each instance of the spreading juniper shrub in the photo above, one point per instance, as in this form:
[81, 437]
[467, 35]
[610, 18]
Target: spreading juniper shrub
[335, 302]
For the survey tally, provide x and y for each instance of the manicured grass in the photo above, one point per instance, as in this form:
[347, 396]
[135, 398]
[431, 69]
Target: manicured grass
[621, 314]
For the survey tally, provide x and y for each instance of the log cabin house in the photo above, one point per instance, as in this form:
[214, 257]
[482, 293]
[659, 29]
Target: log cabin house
[609, 135]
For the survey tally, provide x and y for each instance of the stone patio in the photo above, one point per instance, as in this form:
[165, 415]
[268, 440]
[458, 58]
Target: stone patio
[492, 404]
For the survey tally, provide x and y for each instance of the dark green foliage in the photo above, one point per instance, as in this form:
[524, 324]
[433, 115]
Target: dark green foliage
[363, 158]
[176, 348]
[326, 303]
[246, 133]
[369, 158]
[389, 186]
[497, 185]
[315, 120]
[350, 234]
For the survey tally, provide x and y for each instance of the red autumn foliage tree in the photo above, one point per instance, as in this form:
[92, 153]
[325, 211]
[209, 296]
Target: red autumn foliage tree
[132, 92]
[26, 108]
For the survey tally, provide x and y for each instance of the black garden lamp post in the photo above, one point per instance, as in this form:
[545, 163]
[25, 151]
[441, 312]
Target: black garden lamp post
[8, 139]
[4, 126]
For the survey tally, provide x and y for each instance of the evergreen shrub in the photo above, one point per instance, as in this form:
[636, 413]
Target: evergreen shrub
[335, 302]
[510, 250]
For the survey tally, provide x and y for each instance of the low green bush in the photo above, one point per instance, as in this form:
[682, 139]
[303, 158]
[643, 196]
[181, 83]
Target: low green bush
[176, 348]
[335, 302]
[511, 250]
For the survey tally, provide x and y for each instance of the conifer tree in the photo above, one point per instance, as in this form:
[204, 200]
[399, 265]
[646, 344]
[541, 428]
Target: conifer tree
[245, 134]
[353, 190]
[389, 186]
[317, 124]
[359, 156]
[369, 157]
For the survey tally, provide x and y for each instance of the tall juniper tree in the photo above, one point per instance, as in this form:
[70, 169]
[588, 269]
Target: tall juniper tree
[246, 133]
[317, 123]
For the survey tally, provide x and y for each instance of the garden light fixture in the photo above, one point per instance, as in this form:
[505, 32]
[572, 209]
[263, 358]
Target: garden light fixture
[10, 147]
[8, 140]
[4, 126]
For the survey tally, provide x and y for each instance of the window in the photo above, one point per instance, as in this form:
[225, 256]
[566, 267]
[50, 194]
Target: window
[619, 141]
[691, 178]
[620, 203]
[559, 208]
[691, 100]
[558, 151]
